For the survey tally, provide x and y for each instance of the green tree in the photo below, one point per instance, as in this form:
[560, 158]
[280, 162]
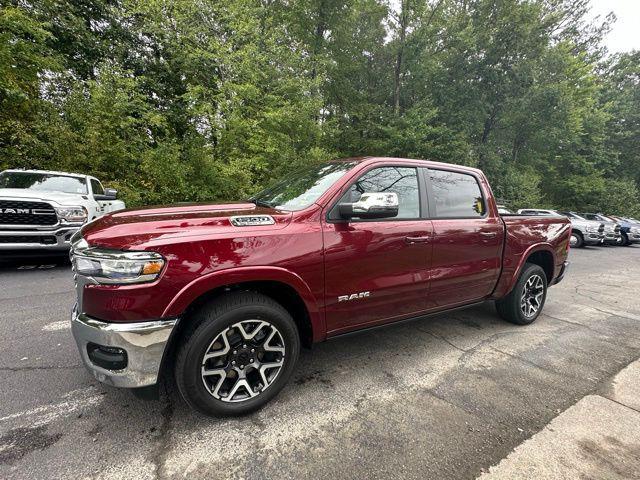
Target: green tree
[25, 63]
[212, 99]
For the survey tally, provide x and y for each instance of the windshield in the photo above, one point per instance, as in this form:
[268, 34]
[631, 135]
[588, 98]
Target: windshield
[301, 189]
[571, 215]
[43, 181]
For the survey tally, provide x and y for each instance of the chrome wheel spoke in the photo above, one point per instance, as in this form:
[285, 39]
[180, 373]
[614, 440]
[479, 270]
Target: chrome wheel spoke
[240, 383]
[250, 336]
[221, 373]
[267, 347]
[268, 366]
[218, 353]
[538, 299]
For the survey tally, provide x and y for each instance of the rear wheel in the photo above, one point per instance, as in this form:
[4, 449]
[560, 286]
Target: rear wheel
[576, 240]
[238, 355]
[524, 303]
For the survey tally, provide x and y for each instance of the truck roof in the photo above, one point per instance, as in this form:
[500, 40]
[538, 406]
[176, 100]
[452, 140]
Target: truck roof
[428, 163]
[49, 172]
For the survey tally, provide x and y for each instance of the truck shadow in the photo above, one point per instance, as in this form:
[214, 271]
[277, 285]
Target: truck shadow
[361, 360]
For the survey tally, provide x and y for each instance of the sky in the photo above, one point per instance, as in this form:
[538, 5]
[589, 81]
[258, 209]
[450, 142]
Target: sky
[625, 34]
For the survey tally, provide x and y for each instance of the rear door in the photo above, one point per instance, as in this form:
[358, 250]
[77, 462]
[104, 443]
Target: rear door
[377, 270]
[467, 238]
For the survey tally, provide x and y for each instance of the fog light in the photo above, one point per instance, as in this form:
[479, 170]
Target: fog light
[109, 358]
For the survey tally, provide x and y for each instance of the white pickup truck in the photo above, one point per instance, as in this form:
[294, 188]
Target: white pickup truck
[40, 210]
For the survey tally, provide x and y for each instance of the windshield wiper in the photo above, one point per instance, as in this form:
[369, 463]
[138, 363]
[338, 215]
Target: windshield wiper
[260, 203]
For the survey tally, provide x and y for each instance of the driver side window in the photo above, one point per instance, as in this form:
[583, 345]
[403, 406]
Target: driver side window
[400, 180]
[96, 187]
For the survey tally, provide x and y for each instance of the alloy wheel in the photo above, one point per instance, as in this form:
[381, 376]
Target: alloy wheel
[532, 294]
[573, 240]
[243, 360]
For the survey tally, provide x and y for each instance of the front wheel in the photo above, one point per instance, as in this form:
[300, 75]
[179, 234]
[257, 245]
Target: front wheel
[576, 240]
[239, 353]
[524, 303]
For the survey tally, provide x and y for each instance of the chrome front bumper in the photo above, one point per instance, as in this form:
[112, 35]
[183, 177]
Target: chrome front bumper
[143, 342]
[57, 239]
[633, 237]
[593, 238]
[611, 238]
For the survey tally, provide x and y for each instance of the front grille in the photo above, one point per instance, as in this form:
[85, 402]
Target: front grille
[18, 212]
[44, 239]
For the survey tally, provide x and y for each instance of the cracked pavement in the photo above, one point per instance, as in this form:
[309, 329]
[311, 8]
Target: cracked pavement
[441, 397]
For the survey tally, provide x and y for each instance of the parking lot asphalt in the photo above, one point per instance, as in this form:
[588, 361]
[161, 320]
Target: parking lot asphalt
[443, 397]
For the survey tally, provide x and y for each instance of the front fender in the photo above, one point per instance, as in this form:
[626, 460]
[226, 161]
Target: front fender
[233, 276]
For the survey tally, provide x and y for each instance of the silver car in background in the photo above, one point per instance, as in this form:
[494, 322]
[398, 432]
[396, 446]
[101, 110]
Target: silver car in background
[611, 227]
[629, 228]
[583, 231]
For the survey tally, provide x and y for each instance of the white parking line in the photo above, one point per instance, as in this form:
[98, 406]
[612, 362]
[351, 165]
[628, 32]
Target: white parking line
[72, 401]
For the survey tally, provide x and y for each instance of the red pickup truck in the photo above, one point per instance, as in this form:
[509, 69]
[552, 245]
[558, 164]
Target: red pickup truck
[223, 296]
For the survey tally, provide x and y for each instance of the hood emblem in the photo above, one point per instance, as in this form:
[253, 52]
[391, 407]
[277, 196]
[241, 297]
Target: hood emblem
[251, 220]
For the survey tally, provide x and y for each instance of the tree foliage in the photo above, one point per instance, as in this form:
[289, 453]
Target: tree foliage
[201, 100]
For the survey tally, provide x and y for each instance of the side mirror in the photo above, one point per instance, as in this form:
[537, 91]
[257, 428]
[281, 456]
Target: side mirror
[371, 205]
[109, 194]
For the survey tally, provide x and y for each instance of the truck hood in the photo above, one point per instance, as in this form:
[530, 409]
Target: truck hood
[134, 228]
[59, 198]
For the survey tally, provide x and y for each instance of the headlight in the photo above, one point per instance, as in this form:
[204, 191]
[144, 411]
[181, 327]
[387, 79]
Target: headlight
[592, 229]
[113, 267]
[72, 214]
[634, 229]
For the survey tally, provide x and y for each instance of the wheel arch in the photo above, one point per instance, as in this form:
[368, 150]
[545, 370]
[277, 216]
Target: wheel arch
[282, 285]
[541, 254]
[543, 258]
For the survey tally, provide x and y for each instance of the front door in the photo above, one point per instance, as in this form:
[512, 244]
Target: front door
[377, 270]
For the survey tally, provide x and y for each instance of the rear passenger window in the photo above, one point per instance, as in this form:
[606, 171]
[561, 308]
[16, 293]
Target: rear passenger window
[457, 195]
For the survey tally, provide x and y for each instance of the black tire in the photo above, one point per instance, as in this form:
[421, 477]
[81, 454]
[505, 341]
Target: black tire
[579, 240]
[208, 323]
[510, 307]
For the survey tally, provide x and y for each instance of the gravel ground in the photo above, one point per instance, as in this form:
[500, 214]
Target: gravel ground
[443, 397]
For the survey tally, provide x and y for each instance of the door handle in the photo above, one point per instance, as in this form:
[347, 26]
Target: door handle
[412, 240]
[488, 234]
